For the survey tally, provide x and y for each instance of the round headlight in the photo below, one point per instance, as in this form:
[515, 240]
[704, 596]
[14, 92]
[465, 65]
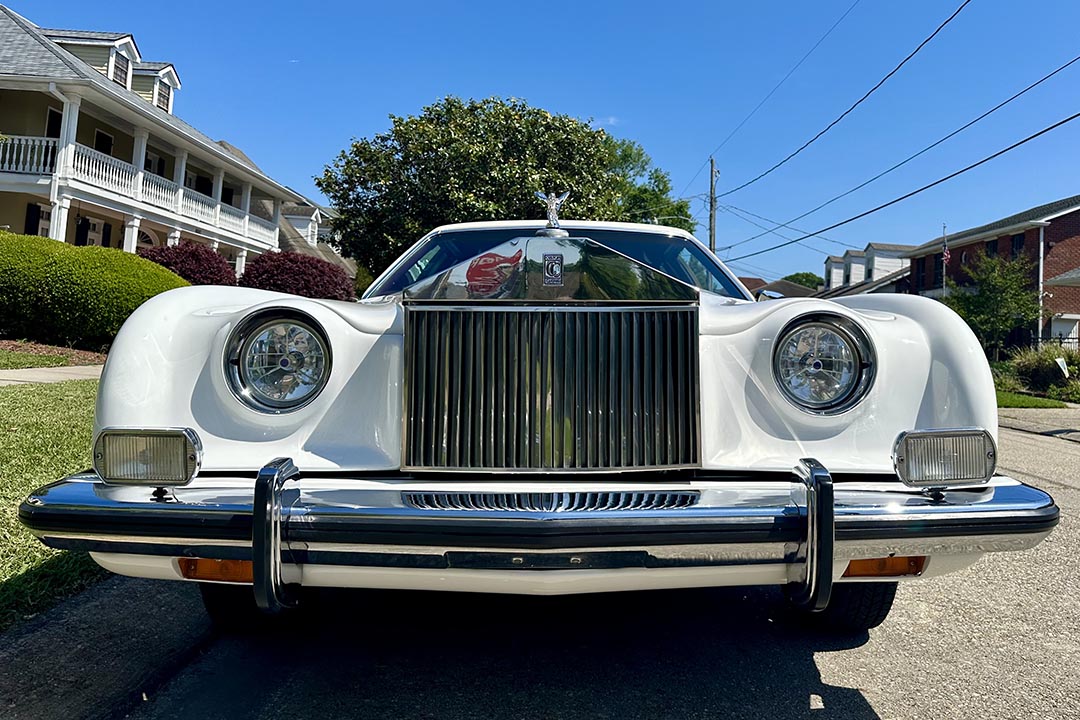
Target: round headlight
[823, 364]
[277, 362]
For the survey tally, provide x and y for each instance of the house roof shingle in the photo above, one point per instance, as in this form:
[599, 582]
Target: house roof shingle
[1035, 214]
[56, 33]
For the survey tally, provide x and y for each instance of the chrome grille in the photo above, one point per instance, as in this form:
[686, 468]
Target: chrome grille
[550, 388]
[568, 502]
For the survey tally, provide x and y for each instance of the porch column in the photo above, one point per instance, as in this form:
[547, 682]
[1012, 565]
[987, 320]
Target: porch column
[277, 219]
[69, 124]
[245, 205]
[178, 177]
[138, 159]
[131, 233]
[214, 245]
[173, 238]
[219, 180]
[58, 219]
[241, 261]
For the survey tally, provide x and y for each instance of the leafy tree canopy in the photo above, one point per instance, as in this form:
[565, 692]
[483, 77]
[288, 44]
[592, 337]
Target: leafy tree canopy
[465, 160]
[806, 279]
[999, 299]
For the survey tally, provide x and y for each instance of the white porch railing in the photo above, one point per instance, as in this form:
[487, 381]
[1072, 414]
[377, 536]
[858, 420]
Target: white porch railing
[103, 170]
[197, 205]
[159, 191]
[231, 219]
[259, 229]
[25, 154]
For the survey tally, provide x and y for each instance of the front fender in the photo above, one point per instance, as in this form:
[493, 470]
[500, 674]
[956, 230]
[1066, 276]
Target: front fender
[930, 372]
[166, 368]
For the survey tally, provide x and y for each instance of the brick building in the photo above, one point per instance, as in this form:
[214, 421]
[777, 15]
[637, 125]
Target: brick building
[1049, 235]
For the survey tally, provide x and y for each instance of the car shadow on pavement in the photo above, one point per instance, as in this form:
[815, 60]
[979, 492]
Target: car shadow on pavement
[674, 654]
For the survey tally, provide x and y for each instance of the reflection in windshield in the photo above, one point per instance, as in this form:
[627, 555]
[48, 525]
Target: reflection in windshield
[676, 256]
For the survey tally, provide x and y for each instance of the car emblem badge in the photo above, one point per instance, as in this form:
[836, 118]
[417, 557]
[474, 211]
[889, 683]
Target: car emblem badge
[553, 267]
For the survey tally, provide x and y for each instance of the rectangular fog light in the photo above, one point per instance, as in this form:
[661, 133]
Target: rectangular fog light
[940, 458]
[159, 457]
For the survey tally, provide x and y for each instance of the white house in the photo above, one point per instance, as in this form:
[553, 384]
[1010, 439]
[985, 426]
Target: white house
[95, 155]
[875, 262]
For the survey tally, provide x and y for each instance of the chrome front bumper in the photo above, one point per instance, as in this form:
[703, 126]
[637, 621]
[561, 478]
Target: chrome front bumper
[286, 520]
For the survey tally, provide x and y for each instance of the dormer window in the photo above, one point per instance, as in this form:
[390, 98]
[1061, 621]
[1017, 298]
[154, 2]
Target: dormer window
[164, 96]
[121, 65]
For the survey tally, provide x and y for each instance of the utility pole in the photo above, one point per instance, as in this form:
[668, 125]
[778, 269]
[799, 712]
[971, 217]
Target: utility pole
[712, 204]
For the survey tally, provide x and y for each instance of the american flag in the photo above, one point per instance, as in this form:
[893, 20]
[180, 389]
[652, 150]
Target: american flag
[944, 246]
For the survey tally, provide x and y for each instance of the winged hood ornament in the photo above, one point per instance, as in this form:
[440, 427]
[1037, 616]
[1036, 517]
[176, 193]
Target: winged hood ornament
[554, 202]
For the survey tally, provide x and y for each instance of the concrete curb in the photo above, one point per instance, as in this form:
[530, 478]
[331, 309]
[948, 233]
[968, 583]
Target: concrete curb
[30, 376]
[1033, 429]
[97, 654]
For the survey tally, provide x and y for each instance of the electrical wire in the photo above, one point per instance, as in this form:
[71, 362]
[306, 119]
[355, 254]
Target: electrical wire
[783, 225]
[858, 102]
[909, 158]
[771, 92]
[913, 193]
[732, 210]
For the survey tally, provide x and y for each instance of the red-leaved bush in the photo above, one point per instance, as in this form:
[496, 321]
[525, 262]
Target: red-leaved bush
[290, 272]
[197, 263]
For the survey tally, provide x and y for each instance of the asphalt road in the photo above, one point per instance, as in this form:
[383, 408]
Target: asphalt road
[999, 640]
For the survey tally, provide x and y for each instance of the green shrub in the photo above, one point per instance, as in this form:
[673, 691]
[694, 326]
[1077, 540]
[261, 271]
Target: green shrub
[80, 296]
[1005, 378]
[1038, 369]
[1069, 392]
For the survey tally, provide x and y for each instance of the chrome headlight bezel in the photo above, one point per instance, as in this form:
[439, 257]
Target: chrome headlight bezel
[239, 343]
[860, 346]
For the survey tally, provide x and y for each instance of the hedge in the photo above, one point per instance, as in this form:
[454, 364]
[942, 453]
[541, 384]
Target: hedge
[297, 274]
[57, 293]
[1039, 370]
[197, 263]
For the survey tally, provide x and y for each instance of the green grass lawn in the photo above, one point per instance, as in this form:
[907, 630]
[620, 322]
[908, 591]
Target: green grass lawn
[12, 359]
[44, 435]
[1016, 400]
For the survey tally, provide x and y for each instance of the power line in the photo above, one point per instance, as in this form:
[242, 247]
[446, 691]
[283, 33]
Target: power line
[782, 225]
[771, 92]
[937, 182]
[732, 210]
[908, 159]
[858, 102]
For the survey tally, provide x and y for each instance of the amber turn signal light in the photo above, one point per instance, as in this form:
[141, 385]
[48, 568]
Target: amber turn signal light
[896, 566]
[234, 571]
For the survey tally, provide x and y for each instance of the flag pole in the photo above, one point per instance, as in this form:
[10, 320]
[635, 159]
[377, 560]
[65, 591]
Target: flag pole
[944, 261]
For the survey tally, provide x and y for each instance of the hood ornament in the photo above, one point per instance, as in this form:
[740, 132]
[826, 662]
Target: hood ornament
[553, 204]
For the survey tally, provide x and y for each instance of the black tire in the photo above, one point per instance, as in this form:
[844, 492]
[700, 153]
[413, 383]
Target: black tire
[856, 607]
[231, 608]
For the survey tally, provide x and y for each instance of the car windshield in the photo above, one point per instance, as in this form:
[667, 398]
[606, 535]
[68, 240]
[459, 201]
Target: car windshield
[671, 254]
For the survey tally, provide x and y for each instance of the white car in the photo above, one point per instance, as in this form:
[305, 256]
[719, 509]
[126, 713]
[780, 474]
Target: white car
[517, 408]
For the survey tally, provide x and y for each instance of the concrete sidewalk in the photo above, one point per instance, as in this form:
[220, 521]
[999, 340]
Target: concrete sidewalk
[29, 376]
[1063, 423]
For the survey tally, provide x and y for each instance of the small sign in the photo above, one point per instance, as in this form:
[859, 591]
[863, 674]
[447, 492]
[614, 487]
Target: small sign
[553, 267]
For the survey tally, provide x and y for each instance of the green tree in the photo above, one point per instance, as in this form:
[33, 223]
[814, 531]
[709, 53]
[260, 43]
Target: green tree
[999, 299]
[462, 160]
[806, 279]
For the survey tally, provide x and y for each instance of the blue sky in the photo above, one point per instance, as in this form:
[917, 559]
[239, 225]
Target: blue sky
[292, 83]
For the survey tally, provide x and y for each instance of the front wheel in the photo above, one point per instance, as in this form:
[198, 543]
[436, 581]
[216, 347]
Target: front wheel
[231, 608]
[855, 607]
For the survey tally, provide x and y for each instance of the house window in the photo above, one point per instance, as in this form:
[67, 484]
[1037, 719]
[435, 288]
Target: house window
[164, 95]
[920, 273]
[103, 142]
[1017, 245]
[938, 271]
[120, 70]
[991, 248]
[154, 164]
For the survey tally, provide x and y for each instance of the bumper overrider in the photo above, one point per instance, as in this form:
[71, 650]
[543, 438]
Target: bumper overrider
[540, 536]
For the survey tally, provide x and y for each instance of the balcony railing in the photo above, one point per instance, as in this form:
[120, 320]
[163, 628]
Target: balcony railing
[107, 172]
[104, 171]
[24, 154]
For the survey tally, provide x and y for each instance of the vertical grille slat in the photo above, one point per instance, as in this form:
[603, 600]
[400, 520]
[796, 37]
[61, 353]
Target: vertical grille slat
[550, 388]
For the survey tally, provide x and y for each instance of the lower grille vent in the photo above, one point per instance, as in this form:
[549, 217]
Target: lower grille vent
[566, 502]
